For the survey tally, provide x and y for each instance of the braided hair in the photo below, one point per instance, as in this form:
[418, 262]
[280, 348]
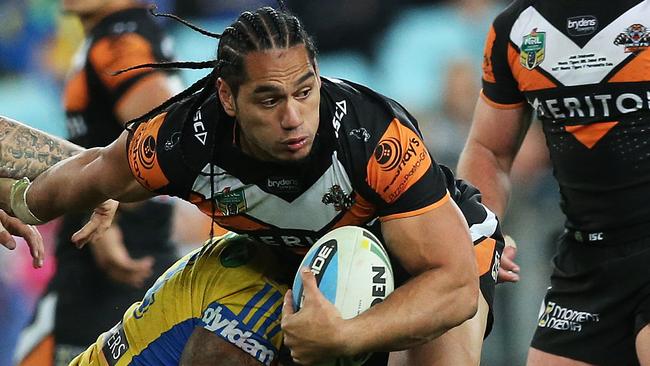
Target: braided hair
[264, 29]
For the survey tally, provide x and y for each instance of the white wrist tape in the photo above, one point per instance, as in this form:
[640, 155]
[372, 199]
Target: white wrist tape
[18, 202]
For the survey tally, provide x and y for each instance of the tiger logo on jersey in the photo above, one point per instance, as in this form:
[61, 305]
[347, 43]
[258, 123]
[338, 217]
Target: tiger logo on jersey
[533, 49]
[635, 38]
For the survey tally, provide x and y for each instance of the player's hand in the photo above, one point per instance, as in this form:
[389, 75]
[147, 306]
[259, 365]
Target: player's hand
[10, 225]
[312, 333]
[508, 270]
[113, 258]
[99, 222]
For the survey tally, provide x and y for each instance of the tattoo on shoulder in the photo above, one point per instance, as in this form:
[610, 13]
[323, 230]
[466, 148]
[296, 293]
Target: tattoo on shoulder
[27, 152]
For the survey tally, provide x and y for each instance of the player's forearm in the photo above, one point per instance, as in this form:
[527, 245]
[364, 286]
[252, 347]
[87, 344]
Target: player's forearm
[491, 175]
[420, 310]
[27, 152]
[67, 187]
[84, 181]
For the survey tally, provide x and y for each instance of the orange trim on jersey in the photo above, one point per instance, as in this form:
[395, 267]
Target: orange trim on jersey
[420, 211]
[484, 252]
[496, 105]
[635, 70]
[75, 95]
[239, 222]
[218, 230]
[399, 161]
[358, 214]
[142, 155]
[527, 79]
[114, 53]
[236, 221]
[488, 71]
[41, 355]
[590, 134]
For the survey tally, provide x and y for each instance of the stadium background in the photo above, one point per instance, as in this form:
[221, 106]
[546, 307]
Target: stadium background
[425, 54]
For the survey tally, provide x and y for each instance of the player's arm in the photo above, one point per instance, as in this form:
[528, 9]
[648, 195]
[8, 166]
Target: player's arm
[149, 91]
[494, 140]
[112, 257]
[81, 182]
[436, 249]
[426, 232]
[27, 152]
[109, 250]
[486, 161]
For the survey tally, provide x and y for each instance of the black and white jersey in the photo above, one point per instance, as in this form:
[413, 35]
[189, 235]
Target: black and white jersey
[584, 66]
[368, 161]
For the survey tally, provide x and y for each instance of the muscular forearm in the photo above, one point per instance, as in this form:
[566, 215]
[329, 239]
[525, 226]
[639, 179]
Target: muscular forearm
[27, 152]
[59, 189]
[421, 310]
[494, 140]
[482, 168]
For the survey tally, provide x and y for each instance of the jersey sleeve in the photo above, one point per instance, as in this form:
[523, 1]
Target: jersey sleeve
[500, 88]
[156, 156]
[402, 174]
[116, 52]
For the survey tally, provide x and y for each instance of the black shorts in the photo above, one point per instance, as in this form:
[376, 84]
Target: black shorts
[598, 301]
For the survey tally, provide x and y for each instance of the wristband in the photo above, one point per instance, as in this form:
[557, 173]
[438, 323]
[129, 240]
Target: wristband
[18, 202]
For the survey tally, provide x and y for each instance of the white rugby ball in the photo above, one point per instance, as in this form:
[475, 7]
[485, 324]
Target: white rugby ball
[352, 270]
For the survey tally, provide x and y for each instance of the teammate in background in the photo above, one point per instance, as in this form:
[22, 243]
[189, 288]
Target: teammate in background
[584, 68]
[95, 285]
[270, 149]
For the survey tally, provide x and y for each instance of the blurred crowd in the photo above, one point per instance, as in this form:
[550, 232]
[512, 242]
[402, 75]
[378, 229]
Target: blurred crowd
[425, 54]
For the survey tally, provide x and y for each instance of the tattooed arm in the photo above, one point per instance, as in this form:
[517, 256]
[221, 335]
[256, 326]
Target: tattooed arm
[27, 152]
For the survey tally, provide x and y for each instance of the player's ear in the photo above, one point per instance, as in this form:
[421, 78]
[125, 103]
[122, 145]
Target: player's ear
[317, 72]
[226, 97]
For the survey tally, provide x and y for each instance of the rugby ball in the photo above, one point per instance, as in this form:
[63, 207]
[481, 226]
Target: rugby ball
[352, 271]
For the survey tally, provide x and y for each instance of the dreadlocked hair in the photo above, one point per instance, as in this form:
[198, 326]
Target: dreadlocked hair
[264, 29]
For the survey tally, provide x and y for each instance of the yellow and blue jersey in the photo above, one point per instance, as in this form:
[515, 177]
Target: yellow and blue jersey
[232, 287]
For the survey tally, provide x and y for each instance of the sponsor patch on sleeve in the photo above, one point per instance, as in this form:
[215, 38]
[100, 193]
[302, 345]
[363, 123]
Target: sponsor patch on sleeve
[115, 344]
[142, 155]
[400, 159]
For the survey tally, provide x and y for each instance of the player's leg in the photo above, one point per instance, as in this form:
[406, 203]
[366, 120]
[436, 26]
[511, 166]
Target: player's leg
[594, 308]
[642, 320]
[459, 346]
[643, 345]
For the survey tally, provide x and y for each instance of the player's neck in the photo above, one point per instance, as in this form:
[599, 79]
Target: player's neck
[90, 20]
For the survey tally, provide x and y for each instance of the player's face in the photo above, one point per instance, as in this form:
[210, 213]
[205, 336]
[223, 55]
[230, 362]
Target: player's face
[277, 106]
[82, 7]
